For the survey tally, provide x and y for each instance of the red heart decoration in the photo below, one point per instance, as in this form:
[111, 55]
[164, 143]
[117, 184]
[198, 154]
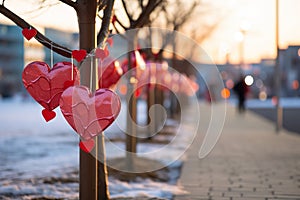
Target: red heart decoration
[29, 33]
[110, 73]
[110, 41]
[48, 114]
[46, 85]
[79, 55]
[87, 145]
[89, 114]
[101, 53]
[69, 83]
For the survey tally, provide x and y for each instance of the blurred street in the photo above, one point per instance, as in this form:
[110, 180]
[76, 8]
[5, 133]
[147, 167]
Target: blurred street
[250, 161]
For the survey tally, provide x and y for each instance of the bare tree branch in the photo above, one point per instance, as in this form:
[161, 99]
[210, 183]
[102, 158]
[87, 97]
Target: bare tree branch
[39, 37]
[206, 32]
[141, 4]
[126, 11]
[179, 15]
[117, 30]
[42, 6]
[104, 31]
[144, 17]
[70, 3]
[186, 15]
[102, 4]
[121, 24]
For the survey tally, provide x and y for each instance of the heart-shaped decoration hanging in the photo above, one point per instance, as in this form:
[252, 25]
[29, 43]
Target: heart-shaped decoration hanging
[89, 114]
[87, 145]
[29, 33]
[46, 85]
[109, 72]
[79, 55]
[110, 41]
[101, 53]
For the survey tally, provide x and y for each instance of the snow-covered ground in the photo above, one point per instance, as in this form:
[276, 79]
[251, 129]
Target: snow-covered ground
[39, 159]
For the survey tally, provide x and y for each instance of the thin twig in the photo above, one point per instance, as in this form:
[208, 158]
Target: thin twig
[121, 24]
[104, 31]
[126, 11]
[101, 5]
[144, 17]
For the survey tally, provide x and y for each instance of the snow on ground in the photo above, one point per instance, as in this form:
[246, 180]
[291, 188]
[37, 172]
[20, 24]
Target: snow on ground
[39, 159]
[145, 188]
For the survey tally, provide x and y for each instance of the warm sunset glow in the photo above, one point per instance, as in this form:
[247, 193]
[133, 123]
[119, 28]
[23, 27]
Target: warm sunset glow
[139, 60]
[225, 93]
[118, 68]
[263, 96]
[229, 84]
[123, 89]
[133, 80]
[274, 100]
[295, 84]
[256, 17]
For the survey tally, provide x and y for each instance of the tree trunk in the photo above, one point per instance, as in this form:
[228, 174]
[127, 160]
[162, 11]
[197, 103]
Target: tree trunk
[173, 98]
[93, 173]
[131, 139]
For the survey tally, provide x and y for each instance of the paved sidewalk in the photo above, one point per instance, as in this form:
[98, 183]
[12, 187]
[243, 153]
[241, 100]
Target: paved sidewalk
[250, 161]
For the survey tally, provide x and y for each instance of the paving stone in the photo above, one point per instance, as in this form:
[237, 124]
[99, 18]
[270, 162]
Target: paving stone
[250, 161]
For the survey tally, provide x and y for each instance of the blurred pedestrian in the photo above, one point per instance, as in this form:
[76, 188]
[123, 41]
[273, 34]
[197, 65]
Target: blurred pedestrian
[241, 89]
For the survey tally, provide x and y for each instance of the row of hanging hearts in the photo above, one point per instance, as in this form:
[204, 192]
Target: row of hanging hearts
[89, 114]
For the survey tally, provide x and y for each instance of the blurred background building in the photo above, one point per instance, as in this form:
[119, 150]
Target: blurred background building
[11, 59]
[263, 85]
[67, 39]
[16, 52]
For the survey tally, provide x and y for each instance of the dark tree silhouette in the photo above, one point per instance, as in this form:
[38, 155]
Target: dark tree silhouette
[138, 14]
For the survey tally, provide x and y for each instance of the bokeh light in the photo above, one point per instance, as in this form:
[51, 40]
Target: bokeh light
[295, 85]
[249, 80]
[225, 93]
[229, 83]
[263, 96]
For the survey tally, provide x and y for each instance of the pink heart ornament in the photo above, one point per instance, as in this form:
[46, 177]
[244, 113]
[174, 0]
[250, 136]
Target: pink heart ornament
[110, 41]
[101, 53]
[87, 113]
[87, 145]
[46, 85]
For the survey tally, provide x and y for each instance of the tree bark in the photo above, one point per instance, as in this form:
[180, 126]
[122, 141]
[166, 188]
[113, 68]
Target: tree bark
[93, 172]
[131, 139]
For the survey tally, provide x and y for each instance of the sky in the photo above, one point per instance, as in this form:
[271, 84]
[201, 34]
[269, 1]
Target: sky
[258, 16]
